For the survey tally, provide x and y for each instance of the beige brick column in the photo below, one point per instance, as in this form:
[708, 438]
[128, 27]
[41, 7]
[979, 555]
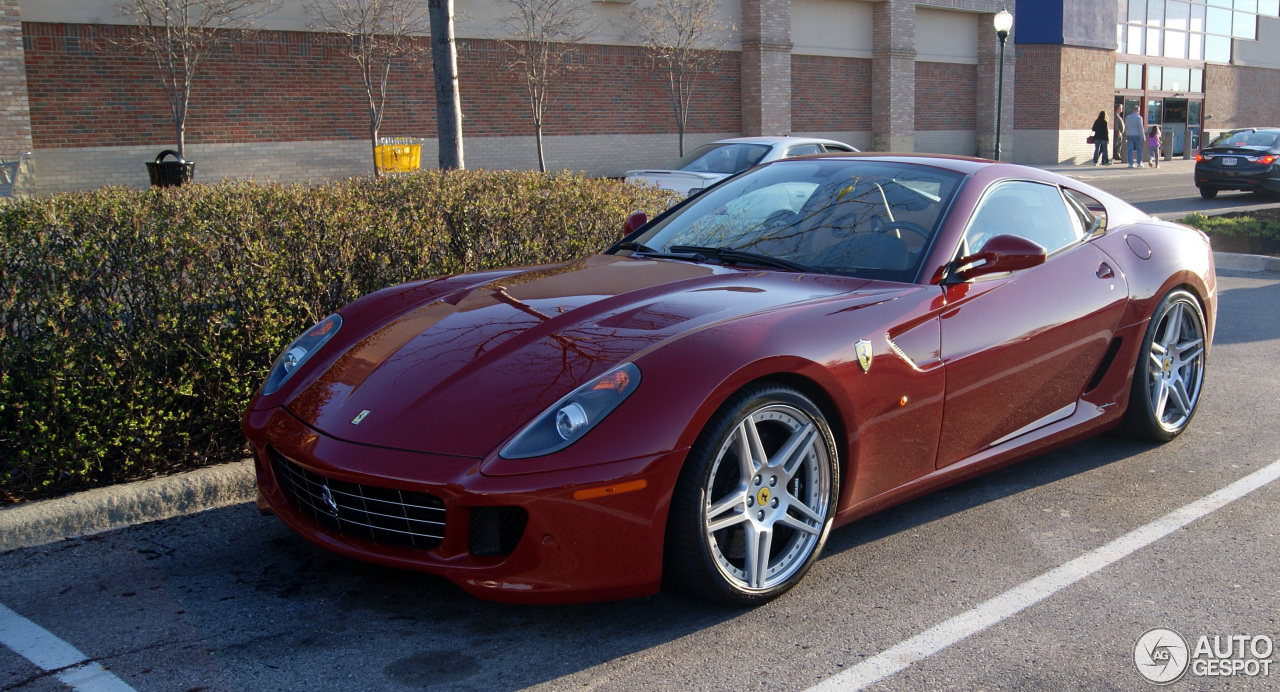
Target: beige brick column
[893, 75]
[988, 72]
[766, 67]
[15, 114]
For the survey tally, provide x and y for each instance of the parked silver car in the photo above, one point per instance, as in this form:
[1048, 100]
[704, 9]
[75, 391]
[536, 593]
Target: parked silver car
[718, 160]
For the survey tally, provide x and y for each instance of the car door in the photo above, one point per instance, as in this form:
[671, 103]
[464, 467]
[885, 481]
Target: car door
[1018, 348]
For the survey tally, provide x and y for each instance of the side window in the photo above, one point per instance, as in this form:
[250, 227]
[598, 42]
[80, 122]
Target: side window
[1090, 210]
[802, 149]
[1035, 211]
[838, 148]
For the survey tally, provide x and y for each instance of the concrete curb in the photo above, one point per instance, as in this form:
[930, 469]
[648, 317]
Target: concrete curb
[1246, 263]
[118, 506]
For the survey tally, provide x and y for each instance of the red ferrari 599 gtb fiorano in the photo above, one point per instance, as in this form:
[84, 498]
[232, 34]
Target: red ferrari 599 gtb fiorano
[804, 344]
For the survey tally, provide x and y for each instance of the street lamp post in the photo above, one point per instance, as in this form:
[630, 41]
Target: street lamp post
[1003, 22]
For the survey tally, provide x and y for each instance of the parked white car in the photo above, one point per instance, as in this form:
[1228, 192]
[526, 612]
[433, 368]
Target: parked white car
[718, 160]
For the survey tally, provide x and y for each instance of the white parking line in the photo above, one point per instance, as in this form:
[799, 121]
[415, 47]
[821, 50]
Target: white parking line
[1027, 594]
[34, 643]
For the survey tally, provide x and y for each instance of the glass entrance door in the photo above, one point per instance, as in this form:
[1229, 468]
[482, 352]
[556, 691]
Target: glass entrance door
[1175, 123]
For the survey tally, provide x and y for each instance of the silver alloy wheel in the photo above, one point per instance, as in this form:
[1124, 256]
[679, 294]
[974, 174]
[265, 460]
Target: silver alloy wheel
[1176, 367]
[767, 497]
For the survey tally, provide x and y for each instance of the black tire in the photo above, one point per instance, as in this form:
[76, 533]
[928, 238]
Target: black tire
[1208, 192]
[764, 507]
[1169, 374]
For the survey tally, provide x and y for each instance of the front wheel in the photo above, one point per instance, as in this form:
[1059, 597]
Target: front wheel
[755, 500]
[1170, 370]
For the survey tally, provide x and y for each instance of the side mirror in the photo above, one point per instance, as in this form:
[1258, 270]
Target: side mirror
[1003, 253]
[634, 222]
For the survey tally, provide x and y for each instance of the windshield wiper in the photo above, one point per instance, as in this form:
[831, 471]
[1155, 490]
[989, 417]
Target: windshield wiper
[728, 254]
[635, 247]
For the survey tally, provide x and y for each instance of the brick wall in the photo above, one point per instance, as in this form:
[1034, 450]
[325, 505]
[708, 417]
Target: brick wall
[1088, 86]
[290, 86]
[830, 93]
[946, 96]
[1038, 99]
[1241, 97]
[15, 125]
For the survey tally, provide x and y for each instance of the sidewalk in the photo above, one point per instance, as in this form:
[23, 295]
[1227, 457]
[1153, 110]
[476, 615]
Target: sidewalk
[1178, 166]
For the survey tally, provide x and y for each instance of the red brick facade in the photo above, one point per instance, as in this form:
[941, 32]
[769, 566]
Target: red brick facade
[1241, 97]
[290, 86]
[830, 94]
[1038, 96]
[1088, 80]
[946, 96]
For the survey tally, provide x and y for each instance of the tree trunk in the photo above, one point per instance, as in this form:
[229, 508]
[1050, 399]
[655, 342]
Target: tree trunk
[180, 131]
[542, 160]
[680, 126]
[373, 144]
[444, 63]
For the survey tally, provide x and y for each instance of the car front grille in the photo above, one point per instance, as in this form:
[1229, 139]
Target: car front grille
[383, 515]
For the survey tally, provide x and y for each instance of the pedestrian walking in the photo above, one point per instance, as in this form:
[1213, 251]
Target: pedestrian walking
[1153, 145]
[1117, 133]
[1100, 145]
[1133, 128]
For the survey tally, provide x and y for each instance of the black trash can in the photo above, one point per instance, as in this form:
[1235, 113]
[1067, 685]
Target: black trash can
[170, 173]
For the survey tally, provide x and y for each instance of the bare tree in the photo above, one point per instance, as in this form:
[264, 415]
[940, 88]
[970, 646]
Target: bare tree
[444, 64]
[542, 34]
[179, 35]
[377, 34]
[683, 39]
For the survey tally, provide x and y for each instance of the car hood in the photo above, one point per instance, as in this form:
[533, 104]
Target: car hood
[461, 373]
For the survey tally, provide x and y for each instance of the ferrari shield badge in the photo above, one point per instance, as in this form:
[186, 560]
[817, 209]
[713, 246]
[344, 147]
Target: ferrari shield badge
[863, 349]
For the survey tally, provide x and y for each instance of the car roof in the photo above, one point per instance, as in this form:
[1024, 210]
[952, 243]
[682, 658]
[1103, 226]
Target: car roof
[774, 141]
[966, 165]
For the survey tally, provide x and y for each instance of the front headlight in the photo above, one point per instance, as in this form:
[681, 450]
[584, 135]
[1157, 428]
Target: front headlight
[573, 416]
[299, 351]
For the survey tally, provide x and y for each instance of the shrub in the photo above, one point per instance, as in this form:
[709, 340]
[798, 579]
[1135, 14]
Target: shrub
[1262, 224]
[135, 325]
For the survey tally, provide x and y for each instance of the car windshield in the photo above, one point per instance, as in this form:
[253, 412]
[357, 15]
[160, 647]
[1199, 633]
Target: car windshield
[722, 158]
[862, 218]
[1247, 138]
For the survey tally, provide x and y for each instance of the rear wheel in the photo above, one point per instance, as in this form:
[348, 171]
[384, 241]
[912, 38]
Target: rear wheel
[755, 499]
[1208, 192]
[1170, 371]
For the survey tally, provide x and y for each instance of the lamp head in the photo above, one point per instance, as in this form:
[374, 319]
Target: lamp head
[1003, 22]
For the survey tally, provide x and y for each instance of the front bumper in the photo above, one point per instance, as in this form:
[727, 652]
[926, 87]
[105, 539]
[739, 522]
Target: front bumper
[1245, 177]
[604, 547]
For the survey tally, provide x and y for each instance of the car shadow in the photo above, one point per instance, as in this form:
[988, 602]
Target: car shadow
[1041, 470]
[415, 630]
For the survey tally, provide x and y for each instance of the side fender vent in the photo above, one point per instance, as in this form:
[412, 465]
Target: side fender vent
[1107, 359]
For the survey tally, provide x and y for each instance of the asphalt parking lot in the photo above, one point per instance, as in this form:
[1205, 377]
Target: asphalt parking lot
[229, 600]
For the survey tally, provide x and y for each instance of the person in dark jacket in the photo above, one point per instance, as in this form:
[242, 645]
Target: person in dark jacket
[1100, 147]
[1117, 133]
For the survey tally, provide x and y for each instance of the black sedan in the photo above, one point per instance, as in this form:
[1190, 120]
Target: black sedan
[1240, 160]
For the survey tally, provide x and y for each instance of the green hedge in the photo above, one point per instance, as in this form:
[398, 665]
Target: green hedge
[137, 324]
[1262, 224]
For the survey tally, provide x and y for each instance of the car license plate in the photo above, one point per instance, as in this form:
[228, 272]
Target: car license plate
[1229, 160]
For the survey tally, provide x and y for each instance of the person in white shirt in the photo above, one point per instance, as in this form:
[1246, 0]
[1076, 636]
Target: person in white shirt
[1133, 129]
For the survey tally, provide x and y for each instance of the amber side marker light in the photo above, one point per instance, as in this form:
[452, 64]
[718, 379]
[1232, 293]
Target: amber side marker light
[606, 490]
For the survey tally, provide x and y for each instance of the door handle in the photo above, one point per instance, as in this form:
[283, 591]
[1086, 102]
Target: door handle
[1104, 271]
